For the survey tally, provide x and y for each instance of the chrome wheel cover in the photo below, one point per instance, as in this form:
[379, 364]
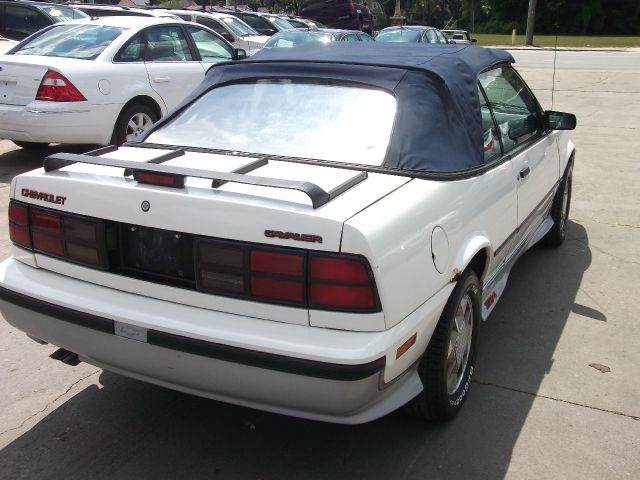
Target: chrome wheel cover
[459, 347]
[136, 125]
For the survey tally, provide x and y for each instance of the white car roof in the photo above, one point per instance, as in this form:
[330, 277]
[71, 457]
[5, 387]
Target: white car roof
[125, 21]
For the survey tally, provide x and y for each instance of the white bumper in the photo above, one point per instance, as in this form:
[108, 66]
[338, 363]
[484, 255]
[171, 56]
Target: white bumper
[58, 122]
[304, 371]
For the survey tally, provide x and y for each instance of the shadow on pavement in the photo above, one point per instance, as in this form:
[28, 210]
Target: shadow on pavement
[128, 429]
[20, 160]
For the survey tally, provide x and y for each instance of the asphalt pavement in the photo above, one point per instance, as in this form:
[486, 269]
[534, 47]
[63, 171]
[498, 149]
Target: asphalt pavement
[555, 393]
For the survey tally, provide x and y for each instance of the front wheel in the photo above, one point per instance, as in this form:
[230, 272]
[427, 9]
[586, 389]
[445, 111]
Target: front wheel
[560, 212]
[447, 366]
[133, 122]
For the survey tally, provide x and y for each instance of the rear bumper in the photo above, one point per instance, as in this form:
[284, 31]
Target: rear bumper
[309, 388]
[51, 122]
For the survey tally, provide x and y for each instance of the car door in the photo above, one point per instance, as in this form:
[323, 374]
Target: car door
[521, 130]
[173, 69]
[211, 48]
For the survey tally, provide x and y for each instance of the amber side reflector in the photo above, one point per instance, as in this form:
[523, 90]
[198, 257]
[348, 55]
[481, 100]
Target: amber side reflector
[402, 349]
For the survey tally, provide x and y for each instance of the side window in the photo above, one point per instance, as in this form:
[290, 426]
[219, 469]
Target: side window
[252, 21]
[441, 37]
[490, 138]
[513, 105]
[132, 50]
[20, 22]
[212, 24]
[167, 44]
[431, 36]
[365, 38]
[212, 49]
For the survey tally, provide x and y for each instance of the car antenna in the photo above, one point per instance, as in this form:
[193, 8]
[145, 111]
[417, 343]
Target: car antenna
[555, 56]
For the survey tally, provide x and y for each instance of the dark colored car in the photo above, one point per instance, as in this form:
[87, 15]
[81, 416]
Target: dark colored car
[19, 19]
[291, 38]
[411, 34]
[263, 23]
[345, 14]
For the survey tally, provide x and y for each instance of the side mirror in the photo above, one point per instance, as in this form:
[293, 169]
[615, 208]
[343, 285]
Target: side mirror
[474, 40]
[228, 37]
[452, 41]
[239, 54]
[560, 120]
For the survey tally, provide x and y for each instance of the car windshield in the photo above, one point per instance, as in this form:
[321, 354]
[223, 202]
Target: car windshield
[291, 38]
[399, 35]
[79, 41]
[290, 118]
[238, 27]
[281, 23]
[62, 14]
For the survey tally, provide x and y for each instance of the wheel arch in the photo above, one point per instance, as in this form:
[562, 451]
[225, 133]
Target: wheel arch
[144, 100]
[474, 255]
[569, 157]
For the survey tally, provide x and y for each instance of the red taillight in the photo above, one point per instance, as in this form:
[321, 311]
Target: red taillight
[341, 282]
[19, 224]
[277, 263]
[55, 87]
[352, 8]
[160, 179]
[286, 290]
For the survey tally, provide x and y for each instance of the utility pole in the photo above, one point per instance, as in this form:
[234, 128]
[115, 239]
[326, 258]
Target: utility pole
[531, 21]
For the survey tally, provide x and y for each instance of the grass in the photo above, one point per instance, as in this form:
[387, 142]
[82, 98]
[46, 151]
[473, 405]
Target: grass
[563, 41]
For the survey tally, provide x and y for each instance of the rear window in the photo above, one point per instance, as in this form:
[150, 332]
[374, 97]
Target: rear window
[291, 38]
[400, 35]
[83, 42]
[291, 118]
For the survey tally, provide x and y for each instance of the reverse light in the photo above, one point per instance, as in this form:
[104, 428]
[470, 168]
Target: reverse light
[55, 87]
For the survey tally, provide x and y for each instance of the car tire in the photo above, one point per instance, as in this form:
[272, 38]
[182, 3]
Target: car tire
[560, 211]
[131, 122]
[445, 371]
[31, 145]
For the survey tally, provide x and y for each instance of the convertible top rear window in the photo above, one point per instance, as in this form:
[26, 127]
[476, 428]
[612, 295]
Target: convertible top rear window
[325, 121]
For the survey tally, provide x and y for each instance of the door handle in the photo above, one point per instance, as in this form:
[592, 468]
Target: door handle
[525, 172]
[161, 79]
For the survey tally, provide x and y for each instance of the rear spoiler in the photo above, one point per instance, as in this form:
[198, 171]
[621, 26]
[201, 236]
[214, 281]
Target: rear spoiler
[318, 196]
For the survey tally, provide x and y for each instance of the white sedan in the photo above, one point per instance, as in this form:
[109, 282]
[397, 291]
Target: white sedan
[104, 80]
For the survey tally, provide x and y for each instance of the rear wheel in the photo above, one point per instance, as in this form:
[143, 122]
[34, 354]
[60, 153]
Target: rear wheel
[133, 122]
[31, 145]
[447, 366]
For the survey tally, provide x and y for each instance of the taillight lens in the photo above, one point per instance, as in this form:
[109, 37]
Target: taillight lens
[79, 239]
[19, 224]
[341, 282]
[55, 87]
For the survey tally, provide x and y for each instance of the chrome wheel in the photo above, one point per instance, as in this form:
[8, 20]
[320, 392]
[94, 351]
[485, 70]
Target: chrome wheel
[459, 344]
[136, 125]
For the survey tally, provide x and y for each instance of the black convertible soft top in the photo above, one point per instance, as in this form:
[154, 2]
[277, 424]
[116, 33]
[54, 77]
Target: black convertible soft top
[438, 126]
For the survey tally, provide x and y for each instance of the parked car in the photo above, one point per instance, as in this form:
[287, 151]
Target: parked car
[21, 18]
[102, 80]
[344, 14]
[263, 23]
[459, 36]
[229, 27]
[97, 11]
[292, 38]
[302, 236]
[411, 34]
[6, 44]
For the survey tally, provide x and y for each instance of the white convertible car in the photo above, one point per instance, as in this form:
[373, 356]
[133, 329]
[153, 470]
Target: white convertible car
[332, 259]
